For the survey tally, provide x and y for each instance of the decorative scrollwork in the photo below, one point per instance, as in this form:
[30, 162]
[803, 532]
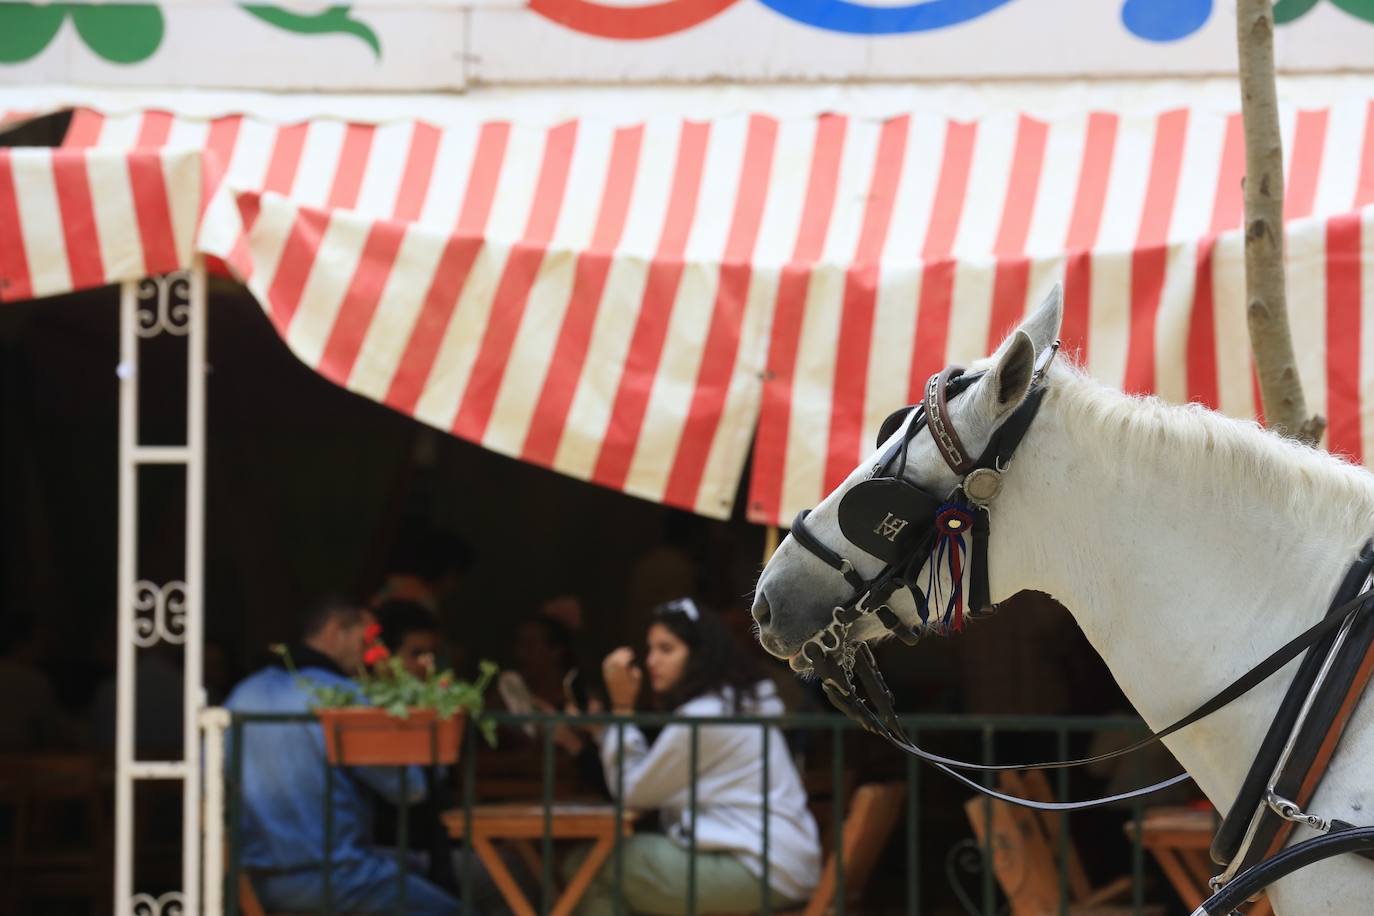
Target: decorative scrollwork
[966, 859]
[170, 309]
[169, 904]
[159, 613]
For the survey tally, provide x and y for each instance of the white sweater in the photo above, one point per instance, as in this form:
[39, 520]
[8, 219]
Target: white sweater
[729, 789]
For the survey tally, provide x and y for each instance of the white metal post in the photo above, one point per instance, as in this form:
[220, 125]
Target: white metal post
[174, 611]
[126, 656]
[193, 693]
[214, 722]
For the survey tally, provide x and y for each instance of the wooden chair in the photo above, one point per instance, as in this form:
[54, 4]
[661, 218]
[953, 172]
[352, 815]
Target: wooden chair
[873, 812]
[1024, 846]
[57, 843]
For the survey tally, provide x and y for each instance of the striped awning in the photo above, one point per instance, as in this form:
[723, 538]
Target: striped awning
[638, 304]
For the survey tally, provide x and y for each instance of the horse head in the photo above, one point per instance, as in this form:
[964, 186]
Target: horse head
[800, 593]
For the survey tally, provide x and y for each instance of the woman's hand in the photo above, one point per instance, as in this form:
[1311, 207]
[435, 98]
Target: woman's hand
[622, 677]
[564, 735]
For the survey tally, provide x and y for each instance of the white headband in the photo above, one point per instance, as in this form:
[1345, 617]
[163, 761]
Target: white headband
[683, 606]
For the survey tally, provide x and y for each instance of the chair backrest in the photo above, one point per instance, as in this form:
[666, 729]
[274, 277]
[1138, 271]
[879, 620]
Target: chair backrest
[873, 812]
[248, 898]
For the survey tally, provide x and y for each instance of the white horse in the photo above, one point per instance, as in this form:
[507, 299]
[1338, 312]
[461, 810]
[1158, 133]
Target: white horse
[1187, 545]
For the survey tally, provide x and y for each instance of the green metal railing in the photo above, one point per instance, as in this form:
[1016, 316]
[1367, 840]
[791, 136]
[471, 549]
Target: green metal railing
[981, 730]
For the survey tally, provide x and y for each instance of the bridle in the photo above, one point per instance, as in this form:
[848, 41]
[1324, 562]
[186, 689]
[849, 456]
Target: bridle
[900, 523]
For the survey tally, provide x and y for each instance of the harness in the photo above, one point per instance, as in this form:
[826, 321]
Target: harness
[910, 529]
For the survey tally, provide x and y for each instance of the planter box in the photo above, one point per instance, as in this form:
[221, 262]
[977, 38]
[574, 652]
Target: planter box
[365, 736]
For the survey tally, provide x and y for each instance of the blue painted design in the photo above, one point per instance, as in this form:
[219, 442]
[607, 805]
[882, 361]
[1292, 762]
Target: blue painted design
[857, 19]
[1165, 20]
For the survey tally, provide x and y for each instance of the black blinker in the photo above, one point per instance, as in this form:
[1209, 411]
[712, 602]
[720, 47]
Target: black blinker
[887, 517]
[893, 423]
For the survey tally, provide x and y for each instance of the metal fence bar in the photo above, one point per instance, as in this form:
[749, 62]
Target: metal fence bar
[989, 892]
[837, 815]
[766, 904]
[1062, 821]
[1137, 845]
[618, 885]
[546, 878]
[469, 790]
[692, 821]
[327, 859]
[212, 723]
[402, 839]
[235, 806]
[913, 833]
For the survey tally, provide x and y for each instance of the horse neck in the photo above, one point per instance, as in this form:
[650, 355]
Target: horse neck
[1180, 592]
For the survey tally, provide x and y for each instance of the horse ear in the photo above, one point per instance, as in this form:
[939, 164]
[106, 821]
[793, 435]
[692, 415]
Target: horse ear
[1042, 325]
[1010, 377]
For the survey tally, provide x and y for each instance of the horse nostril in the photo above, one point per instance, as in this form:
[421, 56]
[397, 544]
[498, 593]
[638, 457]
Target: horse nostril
[762, 612]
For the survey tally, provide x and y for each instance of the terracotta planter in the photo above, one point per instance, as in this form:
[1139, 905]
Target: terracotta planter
[365, 736]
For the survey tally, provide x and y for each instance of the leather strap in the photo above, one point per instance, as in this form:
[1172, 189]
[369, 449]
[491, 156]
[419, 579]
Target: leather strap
[941, 429]
[1236, 824]
[823, 553]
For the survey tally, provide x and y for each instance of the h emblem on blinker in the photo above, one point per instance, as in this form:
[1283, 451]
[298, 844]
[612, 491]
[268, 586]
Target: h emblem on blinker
[890, 527]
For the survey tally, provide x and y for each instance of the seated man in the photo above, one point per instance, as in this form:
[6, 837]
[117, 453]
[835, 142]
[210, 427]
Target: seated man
[283, 786]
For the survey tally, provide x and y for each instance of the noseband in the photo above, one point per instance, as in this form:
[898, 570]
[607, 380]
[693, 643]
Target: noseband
[905, 526]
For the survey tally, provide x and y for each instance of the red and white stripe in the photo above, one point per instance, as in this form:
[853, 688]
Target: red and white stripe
[628, 303]
[74, 219]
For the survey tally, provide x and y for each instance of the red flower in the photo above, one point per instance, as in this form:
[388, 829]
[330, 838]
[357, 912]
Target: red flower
[375, 654]
[444, 682]
[373, 631]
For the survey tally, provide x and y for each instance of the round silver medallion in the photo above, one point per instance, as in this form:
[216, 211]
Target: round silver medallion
[982, 486]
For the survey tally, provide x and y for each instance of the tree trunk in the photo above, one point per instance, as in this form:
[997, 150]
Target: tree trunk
[1266, 311]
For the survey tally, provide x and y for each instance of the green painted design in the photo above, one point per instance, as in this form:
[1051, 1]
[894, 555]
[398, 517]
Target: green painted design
[122, 33]
[1289, 10]
[1362, 9]
[26, 29]
[331, 21]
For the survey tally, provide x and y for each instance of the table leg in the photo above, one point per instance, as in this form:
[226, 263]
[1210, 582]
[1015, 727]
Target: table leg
[532, 860]
[1178, 876]
[572, 894]
[502, 876]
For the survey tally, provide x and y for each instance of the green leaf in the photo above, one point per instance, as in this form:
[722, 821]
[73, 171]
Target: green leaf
[122, 33]
[26, 29]
[334, 20]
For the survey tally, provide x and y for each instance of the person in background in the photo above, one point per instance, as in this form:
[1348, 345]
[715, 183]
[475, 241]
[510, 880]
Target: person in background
[427, 565]
[695, 669]
[283, 787]
[410, 632]
[33, 720]
[543, 658]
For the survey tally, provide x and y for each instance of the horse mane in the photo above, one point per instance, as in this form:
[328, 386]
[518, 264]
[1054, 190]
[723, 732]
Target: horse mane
[1231, 462]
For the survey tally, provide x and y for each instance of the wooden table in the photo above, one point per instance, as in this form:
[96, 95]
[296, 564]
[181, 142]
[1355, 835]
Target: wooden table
[524, 823]
[1179, 840]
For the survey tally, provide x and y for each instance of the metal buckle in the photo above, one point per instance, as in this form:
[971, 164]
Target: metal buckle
[1289, 811]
